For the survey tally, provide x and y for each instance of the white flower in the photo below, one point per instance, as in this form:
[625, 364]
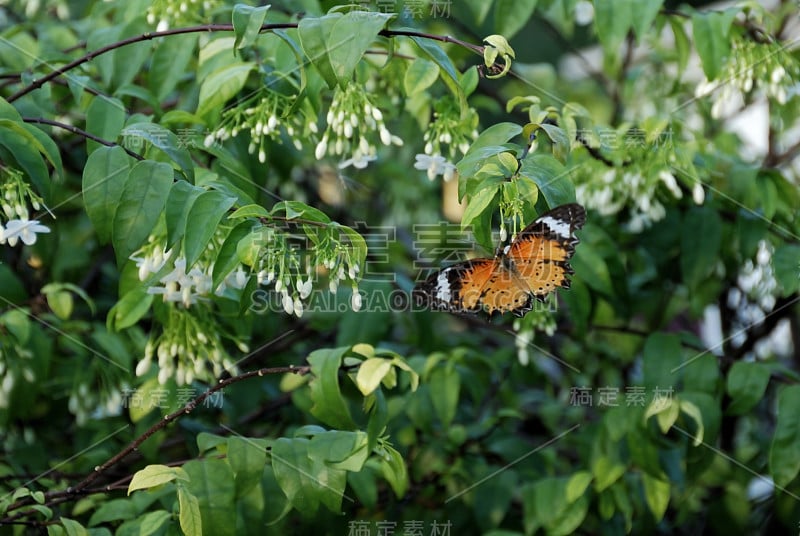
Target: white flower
[298, 307]
[584, 13]
[698, 194]
[449, 171]
[359, 161]
[434, 165]
[288, 303]
[22, 229]
[669, 180]
[355, 300]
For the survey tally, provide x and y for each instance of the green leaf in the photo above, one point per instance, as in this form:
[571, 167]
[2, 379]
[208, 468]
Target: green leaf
[494, 497]
[250, 211]
[786, 264]
[710, 30]
[113, 510]
[329, 404]
[495, 135]
[613, 20]
[445, 386]
[370, 374]
[510, 16]
[155, 475]
[561, 143]
[656, 493]
[247, 23]
[478, 204]
[164, 140]
[313, 33]
[448, 70]
[349, 38]
[190, 519]
[201, 223]
[592, 269]
[212, 482]
[60, 302]
[393, 468]
[105, 118]
[551, 177]
[644, 15]
[227, 258]
[140, 206]
[182, 196]
[419, 76]
[72, 527]
[129, 310]
[340, 450]
[701, 238]
[104, 177]
[128, 60]
[746, 385]
[297, 209]
[27, 150]
[662, 361]
[577, 484]
[221, 86]
[169, 64]
[306, 481]
[682, 46]
[544, 504]
[606, 471]
[784, 453]
[247, 458]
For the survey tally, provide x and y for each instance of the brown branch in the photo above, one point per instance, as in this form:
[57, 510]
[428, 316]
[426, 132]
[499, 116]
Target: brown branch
[211, 28]
[79, 132]
[81, 487]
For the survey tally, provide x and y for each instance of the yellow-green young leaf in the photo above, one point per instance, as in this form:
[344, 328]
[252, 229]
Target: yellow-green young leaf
[693, 412]
[155, 475]
[577, 484]
[606, 471]
[399, 363]
[501, 44]
[666, 412]
[129, 310]
[190, 520]
[370, 374]
[364, 349]
[61, 303]
[656, 493]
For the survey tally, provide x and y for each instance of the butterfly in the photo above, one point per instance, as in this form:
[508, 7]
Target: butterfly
[532, 265]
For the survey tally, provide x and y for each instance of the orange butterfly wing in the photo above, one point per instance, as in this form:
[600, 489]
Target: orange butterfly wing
[541, 253]
[533, 265]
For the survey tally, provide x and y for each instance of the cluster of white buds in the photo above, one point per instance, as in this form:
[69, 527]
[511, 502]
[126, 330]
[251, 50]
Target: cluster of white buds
[612, 192]
[352, 122]
[751, 66]
[451, 129]
[265, 117]
[189, 348]
[16, 194]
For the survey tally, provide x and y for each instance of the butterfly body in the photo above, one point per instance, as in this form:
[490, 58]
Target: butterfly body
[531, 266]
